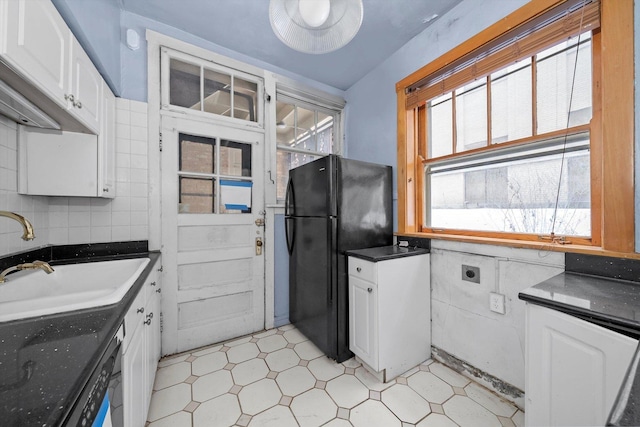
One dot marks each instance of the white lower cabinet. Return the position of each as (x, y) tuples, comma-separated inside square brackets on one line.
[(574, 369), (390, 313), (141, 351)]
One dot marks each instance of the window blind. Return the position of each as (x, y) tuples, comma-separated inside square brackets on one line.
[(560, 23)]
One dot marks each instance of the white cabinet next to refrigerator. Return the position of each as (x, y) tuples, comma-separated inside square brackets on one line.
[(390, 312)]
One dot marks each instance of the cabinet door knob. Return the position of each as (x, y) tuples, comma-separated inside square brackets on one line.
[(140, 310), (159, 290), (78, 105), (106, 190), (147, 322), (150, 315), (69, 97), (369, 289), (358, 269), (152, 283)]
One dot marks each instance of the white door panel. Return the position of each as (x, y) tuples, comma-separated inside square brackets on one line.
[(214, 279)]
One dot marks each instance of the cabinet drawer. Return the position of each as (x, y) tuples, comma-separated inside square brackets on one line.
[(362, 269)]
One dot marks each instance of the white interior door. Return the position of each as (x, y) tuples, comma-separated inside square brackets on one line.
[(212, 216)]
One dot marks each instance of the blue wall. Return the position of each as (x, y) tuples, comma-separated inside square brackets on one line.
[(101, 41), (371, 126), (281, 285)]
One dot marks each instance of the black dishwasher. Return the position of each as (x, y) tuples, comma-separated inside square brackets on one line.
[(100, 403)]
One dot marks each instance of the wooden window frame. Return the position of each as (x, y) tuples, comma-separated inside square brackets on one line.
[(612, 126)]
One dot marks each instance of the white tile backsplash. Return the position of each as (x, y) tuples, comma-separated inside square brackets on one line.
[(35, 209), (71, 220)]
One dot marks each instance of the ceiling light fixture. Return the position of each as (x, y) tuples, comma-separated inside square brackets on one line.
[(315, 26)]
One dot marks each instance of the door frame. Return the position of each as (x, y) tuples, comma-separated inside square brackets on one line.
[(155, 41)]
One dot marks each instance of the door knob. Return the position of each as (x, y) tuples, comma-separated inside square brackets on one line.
[(258, 246)]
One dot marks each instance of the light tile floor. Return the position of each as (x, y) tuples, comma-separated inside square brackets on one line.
[(278, 378)]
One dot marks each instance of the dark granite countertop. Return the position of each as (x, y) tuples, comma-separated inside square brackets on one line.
[(61, 350), (611, 303), (604, 291), (383, 253)]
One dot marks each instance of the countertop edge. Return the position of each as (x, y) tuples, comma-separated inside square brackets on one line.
[(613, 323)]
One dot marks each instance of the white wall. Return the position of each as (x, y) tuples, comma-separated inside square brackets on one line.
[(71, 220), (462, 323)]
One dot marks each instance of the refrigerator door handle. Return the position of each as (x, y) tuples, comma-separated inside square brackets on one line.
[(289, 199), (289, 235)]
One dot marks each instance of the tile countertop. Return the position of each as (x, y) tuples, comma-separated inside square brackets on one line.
[(611, 302), (383, 253), (57, 353)]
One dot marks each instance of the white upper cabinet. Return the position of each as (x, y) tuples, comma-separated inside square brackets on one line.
[(85, 88), (36, 43)]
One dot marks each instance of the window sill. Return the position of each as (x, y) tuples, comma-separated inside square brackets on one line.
[(524, 244)]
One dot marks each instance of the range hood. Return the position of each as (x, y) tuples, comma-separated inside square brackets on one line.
[(21, 110)]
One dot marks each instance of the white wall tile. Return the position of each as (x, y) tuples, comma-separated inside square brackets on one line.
[(79, 235), (123, 145), (139, 161), (139, 233), (100, 234), (120, 219), (139, 218), (79, 204), (121, 233), (139, 133), (79, 219), (139, 176)]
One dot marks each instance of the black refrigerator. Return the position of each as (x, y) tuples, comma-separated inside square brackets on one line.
[(332, 205)]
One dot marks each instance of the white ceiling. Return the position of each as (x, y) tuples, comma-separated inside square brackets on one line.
[(243, 26)]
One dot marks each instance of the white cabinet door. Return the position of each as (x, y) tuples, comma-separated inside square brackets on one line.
[(152, 335), (107, 145), (363, 320), (574, 369), (57, 163), (134, 374), (86, 87), (37, 44)]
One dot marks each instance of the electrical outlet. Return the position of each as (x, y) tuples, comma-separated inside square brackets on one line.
[(496, 303)]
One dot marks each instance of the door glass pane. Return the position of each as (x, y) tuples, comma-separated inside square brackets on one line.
[(235, 158), (235, 196), (511, 103), (285, 122), (440, 123), (197, 195), (324, 133), (556, 88), (471, 116), (245, 99), (305, 129), (217, 93), (197, 154), (184, 84)]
